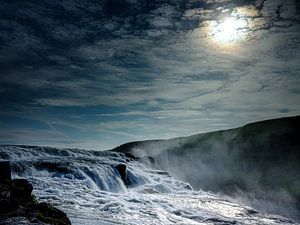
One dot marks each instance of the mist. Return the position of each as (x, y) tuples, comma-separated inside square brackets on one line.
[(255, 165)]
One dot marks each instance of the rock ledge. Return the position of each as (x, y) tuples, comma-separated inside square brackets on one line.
[(19, 206)]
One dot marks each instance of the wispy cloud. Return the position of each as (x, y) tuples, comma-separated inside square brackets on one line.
[(144, 69)]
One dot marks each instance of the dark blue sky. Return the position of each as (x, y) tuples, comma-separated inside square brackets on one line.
[(99, 73)]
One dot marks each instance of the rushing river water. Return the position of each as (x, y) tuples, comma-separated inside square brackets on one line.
[(88, 187)]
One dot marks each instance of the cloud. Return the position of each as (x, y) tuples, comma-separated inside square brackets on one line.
[(146, 69)]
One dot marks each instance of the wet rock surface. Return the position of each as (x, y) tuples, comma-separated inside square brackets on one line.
[(122, 170), (19, 206)]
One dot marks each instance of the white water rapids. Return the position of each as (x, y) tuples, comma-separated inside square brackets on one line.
[(86, 185)]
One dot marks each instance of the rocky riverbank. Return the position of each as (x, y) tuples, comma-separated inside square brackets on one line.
[(19, 206)]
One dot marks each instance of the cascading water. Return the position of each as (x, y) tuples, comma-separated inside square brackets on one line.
[(89, 188)]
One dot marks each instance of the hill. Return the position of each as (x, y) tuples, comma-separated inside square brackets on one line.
[(258, 161)]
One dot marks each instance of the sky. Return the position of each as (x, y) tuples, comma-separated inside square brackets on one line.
[(100, 73)]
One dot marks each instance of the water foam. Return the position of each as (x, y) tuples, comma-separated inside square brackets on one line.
[(87, 186)]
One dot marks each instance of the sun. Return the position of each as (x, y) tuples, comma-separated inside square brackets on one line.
[(229, 30)]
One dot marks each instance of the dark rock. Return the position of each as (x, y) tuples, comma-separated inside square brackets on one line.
[(188, 187), (18, 205), (5, 172), (48, 214), (251, 211), (121, 168), (21, 191), (4, 198), (5, 181)]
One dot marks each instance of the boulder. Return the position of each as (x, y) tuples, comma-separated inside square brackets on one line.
[(21, 191), (121, 168), (50, 215), (4, 198), (5, 180), (5, 172), (18, 205)]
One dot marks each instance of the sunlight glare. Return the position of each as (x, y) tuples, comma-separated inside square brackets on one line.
[(229, 30)]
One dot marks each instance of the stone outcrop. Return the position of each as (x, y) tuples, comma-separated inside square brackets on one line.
[(19, 206), (121, 168), (5, 174)]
